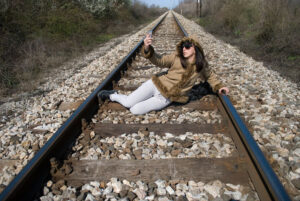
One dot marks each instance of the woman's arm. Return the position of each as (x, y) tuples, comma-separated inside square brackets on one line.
[(149, 53), (211, 78)]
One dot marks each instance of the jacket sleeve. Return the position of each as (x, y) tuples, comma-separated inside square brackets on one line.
[(156, 59), (211, 78)]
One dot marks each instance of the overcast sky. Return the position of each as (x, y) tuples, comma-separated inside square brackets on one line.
[(161, 3)]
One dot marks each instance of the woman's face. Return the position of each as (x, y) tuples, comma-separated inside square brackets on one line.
[(188, 50)]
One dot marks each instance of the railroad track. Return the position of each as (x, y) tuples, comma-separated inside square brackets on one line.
[(200, 150)]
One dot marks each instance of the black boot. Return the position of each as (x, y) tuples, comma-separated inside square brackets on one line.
[(104, 94)]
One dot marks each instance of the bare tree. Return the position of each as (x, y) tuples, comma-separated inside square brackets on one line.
[(200, 5), (198, 8)]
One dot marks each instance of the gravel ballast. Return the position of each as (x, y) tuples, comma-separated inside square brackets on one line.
[(28, 123), (263, 98), (159, 190), (147, 145), (269, 102)]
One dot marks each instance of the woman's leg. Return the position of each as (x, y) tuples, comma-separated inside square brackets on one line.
[(144, 92), (157, 102)]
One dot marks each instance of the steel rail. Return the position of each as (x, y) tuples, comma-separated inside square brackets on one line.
[(270, 179), (268, 175), (28, 183)]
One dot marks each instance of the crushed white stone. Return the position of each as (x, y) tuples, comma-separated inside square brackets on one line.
[(158, 190), (188, 145), (269, 102), (36, 117)]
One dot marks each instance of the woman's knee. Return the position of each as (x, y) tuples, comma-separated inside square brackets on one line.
[(127, 104), (137, 110)]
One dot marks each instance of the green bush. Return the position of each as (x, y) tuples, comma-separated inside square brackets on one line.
[(36, 36), (269, 29), (7, 77), (236, 16)]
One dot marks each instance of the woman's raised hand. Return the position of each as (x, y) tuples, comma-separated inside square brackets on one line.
[(148, 41)]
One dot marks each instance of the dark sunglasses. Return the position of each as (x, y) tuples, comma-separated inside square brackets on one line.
[(187, 45)]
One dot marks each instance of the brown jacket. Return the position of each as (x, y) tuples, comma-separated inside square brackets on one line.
[(176, 84)]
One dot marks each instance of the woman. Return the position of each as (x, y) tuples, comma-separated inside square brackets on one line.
[(185, 65)]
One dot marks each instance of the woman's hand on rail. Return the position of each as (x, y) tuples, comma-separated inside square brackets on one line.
[(224, 90), (147, 42)]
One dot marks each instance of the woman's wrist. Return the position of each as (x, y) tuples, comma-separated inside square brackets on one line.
[(146, 49)]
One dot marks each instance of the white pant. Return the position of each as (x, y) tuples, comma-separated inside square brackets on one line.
[(144, 99)]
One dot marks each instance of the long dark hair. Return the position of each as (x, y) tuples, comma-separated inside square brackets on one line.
[(200, 59)]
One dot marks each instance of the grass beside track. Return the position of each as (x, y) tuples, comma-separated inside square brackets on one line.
[(36, 38)]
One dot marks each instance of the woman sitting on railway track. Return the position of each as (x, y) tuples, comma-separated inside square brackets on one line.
[(185, 65)]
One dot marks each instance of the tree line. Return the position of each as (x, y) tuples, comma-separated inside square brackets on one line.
[(39, 35)]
